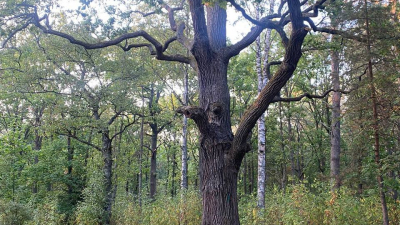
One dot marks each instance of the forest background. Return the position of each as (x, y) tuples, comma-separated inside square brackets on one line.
[(94, 134)]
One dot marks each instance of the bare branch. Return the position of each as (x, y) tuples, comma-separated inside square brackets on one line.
[(112, 119), (307, 95), (341, 33), (157, 45), (124, 128), (268, 68), (129, 47), (255, 31), (80, 140), (144, 14), (168, 42), (249, 18)]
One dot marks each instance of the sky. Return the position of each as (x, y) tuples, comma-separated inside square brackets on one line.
[(236, 28)]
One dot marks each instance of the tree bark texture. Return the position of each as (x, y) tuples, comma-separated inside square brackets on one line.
[(262, 80)]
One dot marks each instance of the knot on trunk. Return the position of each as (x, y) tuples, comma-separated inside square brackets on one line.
[(197, 114), (214, 112), (192, 112)]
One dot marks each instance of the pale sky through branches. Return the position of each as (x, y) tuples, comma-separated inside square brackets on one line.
[(237, 27)]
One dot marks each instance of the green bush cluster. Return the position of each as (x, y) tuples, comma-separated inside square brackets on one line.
[(185, 208), (297, 204)]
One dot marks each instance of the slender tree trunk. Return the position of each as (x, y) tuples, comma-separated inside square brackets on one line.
[(299, 158), (153, 165), (140, 177), (375, 125), (173, 174), (262, 80), (283, 163), (38, 112), (70, 157), (335, 125), (107, 170), (184, 165), (153, 102)]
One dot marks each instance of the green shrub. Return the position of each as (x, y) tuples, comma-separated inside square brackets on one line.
[(14, 213), (183, 209)]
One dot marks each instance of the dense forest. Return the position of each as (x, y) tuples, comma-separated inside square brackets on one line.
[(200, 112)]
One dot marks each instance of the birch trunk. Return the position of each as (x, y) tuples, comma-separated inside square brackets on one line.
[(184, 170), (262, 80)]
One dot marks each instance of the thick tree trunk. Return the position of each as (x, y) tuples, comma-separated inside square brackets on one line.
[(219, 186), (219, 173), (221, 153)]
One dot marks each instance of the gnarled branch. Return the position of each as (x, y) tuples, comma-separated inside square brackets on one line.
[(307, 95)]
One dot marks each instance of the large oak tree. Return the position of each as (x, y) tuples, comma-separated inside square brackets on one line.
[(221, 149)]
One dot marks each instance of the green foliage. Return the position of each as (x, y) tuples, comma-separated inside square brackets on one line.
[(90, 210), (185, 208), (13, 160), (47, 213), (14, 213), (299, 205)]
